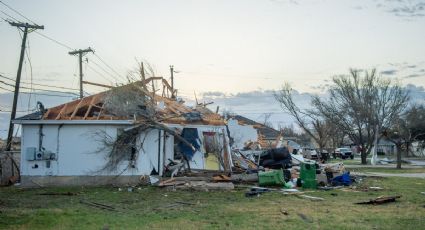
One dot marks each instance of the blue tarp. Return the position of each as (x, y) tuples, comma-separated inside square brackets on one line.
[(344, 179), (191, 135)]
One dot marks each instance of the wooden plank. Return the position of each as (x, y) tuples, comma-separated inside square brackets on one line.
[(90, 106), (60, 112), (97, 84), (100, 112), (76, 108)]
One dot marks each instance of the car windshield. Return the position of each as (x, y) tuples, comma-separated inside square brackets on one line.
[(344, 150)]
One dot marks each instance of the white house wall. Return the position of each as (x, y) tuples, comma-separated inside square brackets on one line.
[(76, 147), (241, 133)]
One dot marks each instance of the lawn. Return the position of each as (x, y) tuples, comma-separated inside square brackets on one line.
[(151, 207), (386, 170)]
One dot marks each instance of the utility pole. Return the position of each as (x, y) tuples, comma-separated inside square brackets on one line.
[(26, 28), (80, 53), (172, 80)]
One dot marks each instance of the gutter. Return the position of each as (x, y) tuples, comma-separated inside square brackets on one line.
[(74, 122)]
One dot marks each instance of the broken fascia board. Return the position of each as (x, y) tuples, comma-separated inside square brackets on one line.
[(76, 122)]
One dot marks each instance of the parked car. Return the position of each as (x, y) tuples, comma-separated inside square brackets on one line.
[(310, 153), (343, 153)]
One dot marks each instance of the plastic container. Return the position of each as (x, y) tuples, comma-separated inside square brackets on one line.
[(309, 183), (274, 177), (308, 171)]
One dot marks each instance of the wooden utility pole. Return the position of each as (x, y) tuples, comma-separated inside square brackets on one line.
[(172, 80), (80, 61), (26, 28)]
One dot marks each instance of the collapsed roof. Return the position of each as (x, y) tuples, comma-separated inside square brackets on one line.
[(101, 107)]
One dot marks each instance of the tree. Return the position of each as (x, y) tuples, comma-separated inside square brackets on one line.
[(361, 105), (307, 120), (408, 128)]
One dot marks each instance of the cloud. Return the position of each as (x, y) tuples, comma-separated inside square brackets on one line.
[(414, 75), (389, 72), (403, 8)]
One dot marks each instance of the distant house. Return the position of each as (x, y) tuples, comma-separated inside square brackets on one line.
[(66, 144), (418, 149), (244, 130), (386, 147)]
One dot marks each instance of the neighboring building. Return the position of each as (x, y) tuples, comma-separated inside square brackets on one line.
[(386, 147), (63, 145), (244, 130), (418, 149)]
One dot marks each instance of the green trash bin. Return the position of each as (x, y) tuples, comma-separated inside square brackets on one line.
[(308, 170), (308, 175), (309, 183), (273, 177)]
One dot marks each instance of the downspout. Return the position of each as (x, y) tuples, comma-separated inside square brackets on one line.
[(159, 152), (57, 148), (40, 137)]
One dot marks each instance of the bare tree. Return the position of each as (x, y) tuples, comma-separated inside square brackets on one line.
[(362, 105), (307, 120)]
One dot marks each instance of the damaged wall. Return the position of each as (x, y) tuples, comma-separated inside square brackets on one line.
[(75, 148), (241, 133)]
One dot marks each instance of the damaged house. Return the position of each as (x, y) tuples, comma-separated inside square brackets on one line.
[(118, 136), (248, 133)]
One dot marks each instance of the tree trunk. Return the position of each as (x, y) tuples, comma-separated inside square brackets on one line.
[(398, 146), (364, 156)]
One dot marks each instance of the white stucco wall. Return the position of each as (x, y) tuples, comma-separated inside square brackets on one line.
[(76, 149), (241, 133)]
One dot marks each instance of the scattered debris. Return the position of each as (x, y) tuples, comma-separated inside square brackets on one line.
[(304, 217), (376, 188), (312, 198), (58, 194), (284, 212), (381, 200), (98, 205), (256, 191)]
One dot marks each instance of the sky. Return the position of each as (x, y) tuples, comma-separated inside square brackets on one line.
[(231, 48)]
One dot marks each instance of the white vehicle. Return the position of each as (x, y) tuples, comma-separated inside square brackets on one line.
[(309, 153)]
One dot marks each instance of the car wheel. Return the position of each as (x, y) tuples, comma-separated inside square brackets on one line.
[(351, 157)]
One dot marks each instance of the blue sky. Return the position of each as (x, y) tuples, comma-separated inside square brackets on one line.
[(232, 47)]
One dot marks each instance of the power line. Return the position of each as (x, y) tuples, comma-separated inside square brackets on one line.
[(55, 41), (108, 65), (52, 86), (7, 15), (44, 94), (43, 35), (103, 69), (100, 74), (17, 12), (54, 91)]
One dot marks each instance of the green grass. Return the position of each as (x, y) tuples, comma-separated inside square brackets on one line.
[(387, 170), (155, 208)]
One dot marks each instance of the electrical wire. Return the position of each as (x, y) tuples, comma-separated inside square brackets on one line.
[(7, 15), (9, 7), (100, 59), (100, 74), (44, 94), (54, 40), (103, 69), (52, 86), (54, 91)]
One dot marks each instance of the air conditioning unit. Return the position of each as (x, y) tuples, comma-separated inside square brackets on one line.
[(39, 156)]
